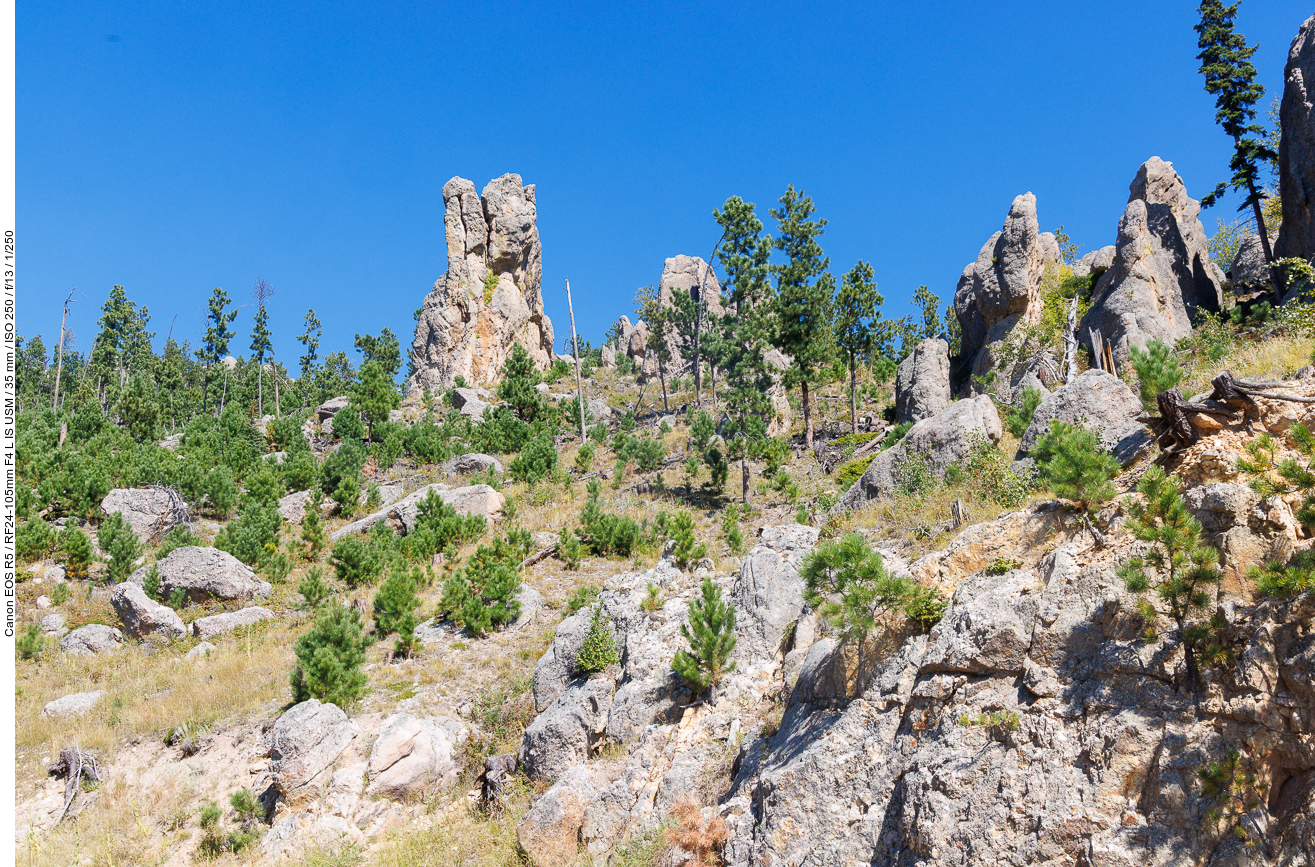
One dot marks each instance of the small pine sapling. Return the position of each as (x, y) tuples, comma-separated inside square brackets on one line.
[(710, 633), (687, 548), (847, 583), (355, 562), (1020, 416), (77, 552), (313, 538), (1234, 793), (31, 643), (652, 602), (598, 651), (314, 590), (1077, 469), (118, 540), (396, 608), (329, 658), (569, 549), (1158, 369), (730, 529), (1178, 566)]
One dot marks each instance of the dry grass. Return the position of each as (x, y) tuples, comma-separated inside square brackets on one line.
[(1274, 358), (700, 842), (459, 836)]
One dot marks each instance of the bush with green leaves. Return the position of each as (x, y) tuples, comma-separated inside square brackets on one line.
[(397, 607), (710, 633), (313, 538), (1275, 478), (1178, 566), (1074, 465), (482, 594), (329, 658), (852, 471), (437, 526), (254, 534), (355, 561), (598, 433), (583, 595), (516, 389), (117, 539), (177, 537), (730, 529), (342, 469), (33, 540), (701, 429), (299, 471), (584, 458), (536, 461), (502, 432), (598, 651), (1158, 369), (1020, 416), (895, 434), (603, 533), (314, 590), (687, 547), (988, 473), (718, 469), (347, 424), (31, 644), (220, 492), (1285, 580), (286, 432)]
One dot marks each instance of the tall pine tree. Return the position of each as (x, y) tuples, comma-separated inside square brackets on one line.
[(803, 297), (1231, 78), (858, 309), (260, 338), (217, 335), (746, 329)]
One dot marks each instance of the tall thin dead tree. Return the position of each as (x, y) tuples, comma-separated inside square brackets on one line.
[(59, 367)]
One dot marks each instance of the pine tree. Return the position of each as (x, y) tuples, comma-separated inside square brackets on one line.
[(1157, 370), (711, 636), (803, 297), (384, 349), (117, 539), (858, 307), (1075, 466), (312, 525), (396, 608), (846, 582), (314, 590), (260, 339), (1019, 417), (687, 547), (661, 332), (746, 328), (171, 376), (217, 334), (329, 658), (1231, 78), (1178, 565), (77, 552), (138, 409), (517, 387), (310, 340), (598, 650), (375, 394)]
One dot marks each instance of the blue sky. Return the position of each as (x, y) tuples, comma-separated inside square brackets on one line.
[(175, 147)]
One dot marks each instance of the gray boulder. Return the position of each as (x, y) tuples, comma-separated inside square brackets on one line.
[(1249, 269), (1162, 278), (1002, 288), (1095, 263), (556, 668), (937, 441), (204, 574), (401, 516), (292, 508), (549, 833), (217, 624), (91, 640), (147, 510), (1100, 402), (53, 624), (469, 403), (769, 594), (304, 743), (413, 757), (922, 381), (73, 705), (598, 409), (564, 734), (331, 407), (1296, 152), (473, 462), (142, 616), (201, 651)]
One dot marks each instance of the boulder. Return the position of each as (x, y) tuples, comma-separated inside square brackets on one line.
[(938, 441), (922, 381), (91, 640), (549, 833), (217, 624), (769, 594), (201, 651), (1002, 288), (1100, 402), (469, 500), (473, 462), (73, 705), (1241, 528), (304, 744), (413, 757), (1095, 263), (142, 616), (149, 511), (607, 356), (53, 624), (782, 413), (1162, 279), (292, 508), (204, 574), (1249, 269), (563, 735), (491, 296), (1296, 152), (331, 407), (598, 409), (556, 668)]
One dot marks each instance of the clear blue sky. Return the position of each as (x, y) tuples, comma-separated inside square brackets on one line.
[(175, 147)]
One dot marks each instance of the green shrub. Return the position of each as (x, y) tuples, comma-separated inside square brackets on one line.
[(730, 529), (482, 594), (987, 472), (299, 471), (583, 595), (347, 424), (31, 644), (517, 387), (598, 652), (847, 583), (895, 434), (178, 537), (701, 429), (598, 433), (1074, 465), (718, 469), (286, 432), (437, 526), (584, 458), (312, 525), (687, 548), (59, 594), (1157, 370), (347, 496), (314, 590), (264, 485), (653, 600), (851, 472), (1020, 416), (355, 562), (248, 536), (710, 634), (221, 492), (925, 607), (913, 476), (606, 534), (536, 461), (117, 540), (1286, 581), (569, 549), (34, 540), (329, 658), (397, 608)]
